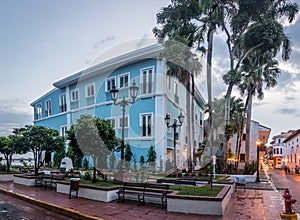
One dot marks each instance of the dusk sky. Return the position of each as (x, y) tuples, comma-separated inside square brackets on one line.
[(45, 41)]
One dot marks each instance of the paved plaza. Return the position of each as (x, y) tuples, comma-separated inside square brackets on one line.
[(260, 201)]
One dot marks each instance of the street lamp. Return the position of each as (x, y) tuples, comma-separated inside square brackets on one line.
[(258, 143), (174, 126), (133, 91)]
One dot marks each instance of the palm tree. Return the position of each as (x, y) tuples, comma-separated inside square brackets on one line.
[(184, 65), (257, 71)]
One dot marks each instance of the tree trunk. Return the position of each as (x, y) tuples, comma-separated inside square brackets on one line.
[(188, 124), (248, 127)]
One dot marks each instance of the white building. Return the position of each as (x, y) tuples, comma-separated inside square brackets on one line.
[(292, 151)]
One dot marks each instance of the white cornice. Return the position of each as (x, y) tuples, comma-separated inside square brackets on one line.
[(152, 51)]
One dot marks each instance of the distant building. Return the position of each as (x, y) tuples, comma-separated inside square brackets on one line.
[(257, 131), (279, 148), (292, 151), (88, 92)]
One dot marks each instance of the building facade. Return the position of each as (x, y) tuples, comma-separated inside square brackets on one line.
[(88, 92), (292, 150), (279, 149), (257, 131)]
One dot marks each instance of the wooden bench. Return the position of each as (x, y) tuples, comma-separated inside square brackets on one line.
[(51, 181), (142, 190)]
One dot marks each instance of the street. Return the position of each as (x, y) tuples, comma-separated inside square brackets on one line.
[(282, 181), (13, 208)]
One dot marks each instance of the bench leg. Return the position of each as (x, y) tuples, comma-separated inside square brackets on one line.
[(163, 202)]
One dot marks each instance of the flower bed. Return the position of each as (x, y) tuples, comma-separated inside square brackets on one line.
[(203, 205), (104, 194)]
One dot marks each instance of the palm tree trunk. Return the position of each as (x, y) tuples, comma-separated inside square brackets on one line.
[(248, 127), (188, 130), (210, 36)]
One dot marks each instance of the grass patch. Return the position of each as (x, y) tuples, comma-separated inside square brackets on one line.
[(197, 191)]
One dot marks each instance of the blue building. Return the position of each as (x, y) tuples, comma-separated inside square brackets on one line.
[(88, 92)]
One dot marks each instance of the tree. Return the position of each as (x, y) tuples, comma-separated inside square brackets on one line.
[(96, 138), (142, 162), (38, 139), (74, 151), (192, 20), (248, 25), (7, 151), (258, 69), (128, 155), (151, 157), (256, 28)]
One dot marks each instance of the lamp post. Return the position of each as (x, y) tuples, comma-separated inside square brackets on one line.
[(174, 126), (133, 90), (258, 143)]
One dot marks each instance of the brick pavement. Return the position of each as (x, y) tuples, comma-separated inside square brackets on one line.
[(254, 204)]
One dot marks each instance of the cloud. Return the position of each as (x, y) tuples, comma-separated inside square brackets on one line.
[(13, 115), (288, 111)]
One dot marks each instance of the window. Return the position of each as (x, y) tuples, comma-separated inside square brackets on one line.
[(112, 122), (201, 116), (125, 122), (176, 92), (146, 80), (48, 107), (123, 80), (75, 95), (169, 82), (90, 90), (62, 103), (38, 111), (110, 84), (242, 157), (63, 131), (146, 125)]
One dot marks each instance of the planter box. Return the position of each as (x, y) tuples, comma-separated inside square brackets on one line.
[(24, 179), (202, 205), (7, 176), (102, 194)]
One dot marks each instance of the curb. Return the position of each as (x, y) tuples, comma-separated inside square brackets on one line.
[(52, 207)]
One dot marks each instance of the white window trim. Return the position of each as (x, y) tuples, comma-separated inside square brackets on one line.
[(110, 118), (108, 79), (168, 128), (48, 110), (75, 90), (141, 121), (119, 121), (119, 80), (87, 89), (152, 80), (39, 106), (61, 129), (61, 102)]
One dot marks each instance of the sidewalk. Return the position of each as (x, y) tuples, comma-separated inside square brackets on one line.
[(258, 202)]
